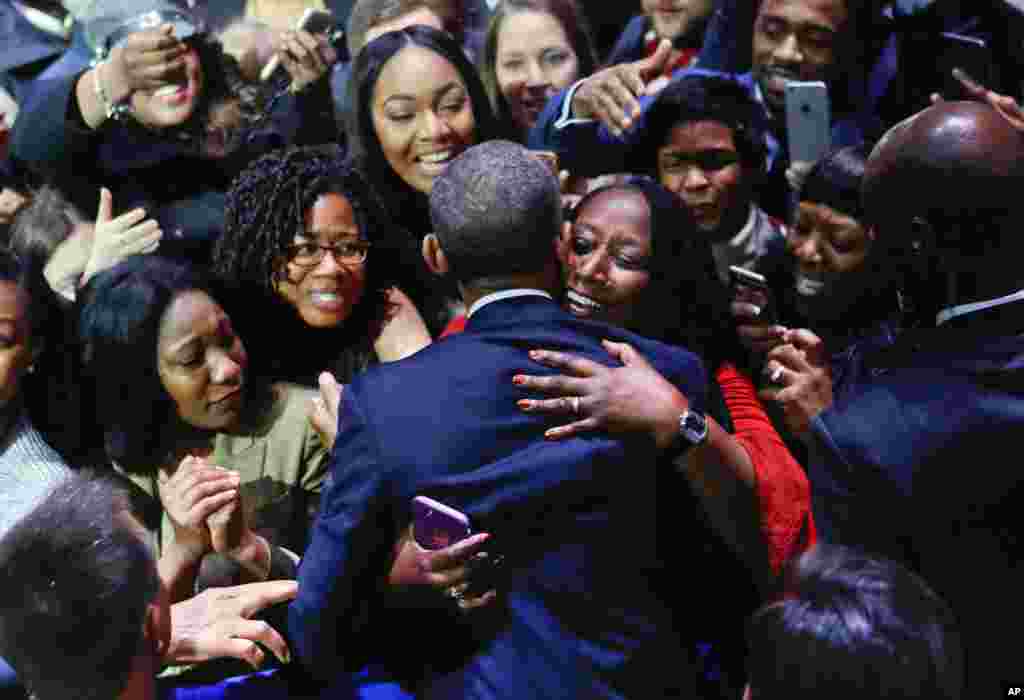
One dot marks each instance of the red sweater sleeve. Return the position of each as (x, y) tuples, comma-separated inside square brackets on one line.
[(456, 325), (783, 492)]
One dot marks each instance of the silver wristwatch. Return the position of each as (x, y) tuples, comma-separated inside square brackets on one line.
[(693, 427)]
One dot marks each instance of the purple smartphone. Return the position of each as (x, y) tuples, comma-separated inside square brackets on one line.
[(436, 526)]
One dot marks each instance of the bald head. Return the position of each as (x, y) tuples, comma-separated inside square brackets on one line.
[(947, 164)]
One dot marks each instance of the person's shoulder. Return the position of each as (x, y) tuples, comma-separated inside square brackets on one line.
[(280, 407)]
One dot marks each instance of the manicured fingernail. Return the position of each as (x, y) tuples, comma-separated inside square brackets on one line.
[(524, 404), (755, 309), (536, 354), (519, 379)]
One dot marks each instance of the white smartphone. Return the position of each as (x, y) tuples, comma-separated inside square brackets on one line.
[(808, 121), (312, 21)]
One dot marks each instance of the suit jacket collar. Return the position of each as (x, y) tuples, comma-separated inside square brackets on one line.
[(516, 311)]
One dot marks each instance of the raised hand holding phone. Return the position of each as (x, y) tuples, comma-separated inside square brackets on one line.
[(308, 51), (753, 310), (808, 121)]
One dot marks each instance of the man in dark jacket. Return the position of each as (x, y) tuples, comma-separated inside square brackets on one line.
[(579, 618), (909, 463)]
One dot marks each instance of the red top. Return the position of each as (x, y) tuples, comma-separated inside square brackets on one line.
[(783, 492), (456, 325)]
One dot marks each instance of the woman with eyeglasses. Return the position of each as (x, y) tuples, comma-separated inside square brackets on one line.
[(310, 259)]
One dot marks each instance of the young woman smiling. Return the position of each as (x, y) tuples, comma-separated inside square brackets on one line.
[(533, 49), (417, 104), (309, 255)]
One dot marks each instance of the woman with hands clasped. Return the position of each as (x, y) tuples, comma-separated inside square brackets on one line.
[(232, 466)]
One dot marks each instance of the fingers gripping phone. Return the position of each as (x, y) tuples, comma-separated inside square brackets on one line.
[(808, 121), (436, 526), (314, 22), (752, 287)]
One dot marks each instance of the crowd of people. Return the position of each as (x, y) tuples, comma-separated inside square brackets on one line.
[(714, 420)]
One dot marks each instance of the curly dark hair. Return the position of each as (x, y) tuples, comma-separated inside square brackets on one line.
[(266, 207)]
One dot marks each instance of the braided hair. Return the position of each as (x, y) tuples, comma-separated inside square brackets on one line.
[(267, 205)]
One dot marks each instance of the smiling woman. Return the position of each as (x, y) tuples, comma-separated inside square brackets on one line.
[(533, 49), (418, 103), (308, 253)]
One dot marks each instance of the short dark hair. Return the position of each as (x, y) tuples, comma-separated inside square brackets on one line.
[(266, 208), (694, 98), (684, 303), (836, 179), (76, 583), (44, 224), (26, 272), (496, 211), (119, 314), (573, 23), (858, 626), (367, 14), (364, 146)]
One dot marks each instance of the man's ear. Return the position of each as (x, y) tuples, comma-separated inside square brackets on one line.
[(562, 242), (433, 255)]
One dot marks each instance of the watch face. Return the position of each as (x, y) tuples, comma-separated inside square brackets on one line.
[(694, 427)]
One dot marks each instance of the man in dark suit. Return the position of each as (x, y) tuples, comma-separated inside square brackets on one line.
[(578, 618), (913, 453)]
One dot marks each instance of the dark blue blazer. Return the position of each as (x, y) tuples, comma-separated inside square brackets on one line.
[(575, 519), (26, 50), (920, 462)]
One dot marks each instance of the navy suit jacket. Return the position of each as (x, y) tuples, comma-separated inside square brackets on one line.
[(575, 519), (920, 462)]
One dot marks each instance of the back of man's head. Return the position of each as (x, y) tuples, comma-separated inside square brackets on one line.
[(496, 212), (956, 168), (857, 628), (75, 583)]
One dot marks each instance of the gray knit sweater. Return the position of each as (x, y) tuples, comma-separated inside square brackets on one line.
[(29, 468)]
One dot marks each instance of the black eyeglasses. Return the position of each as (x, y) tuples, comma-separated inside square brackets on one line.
[(344, 252)]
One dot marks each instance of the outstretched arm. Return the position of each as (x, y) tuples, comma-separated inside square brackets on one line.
[(636, 398)]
